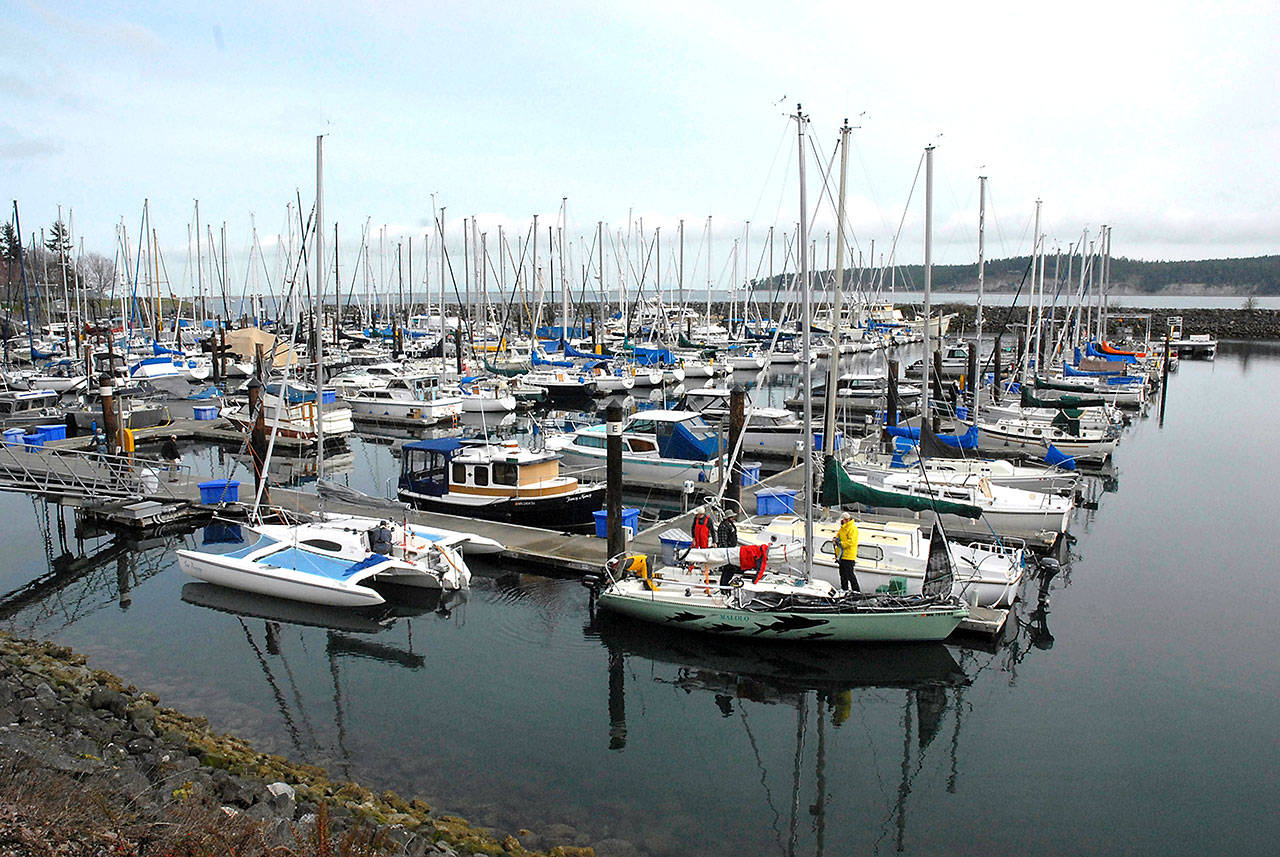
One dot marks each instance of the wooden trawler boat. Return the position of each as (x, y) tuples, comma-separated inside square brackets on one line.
[(496, 482)]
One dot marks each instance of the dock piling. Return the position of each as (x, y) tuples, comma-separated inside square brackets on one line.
[(613, 479), (737, 418)]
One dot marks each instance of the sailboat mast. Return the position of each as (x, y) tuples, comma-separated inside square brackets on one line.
[(928, 281), (803, 246), (833, 362), (976, 383), (318, 326), (1035, 248)]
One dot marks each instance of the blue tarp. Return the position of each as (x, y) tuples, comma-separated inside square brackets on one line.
[(435, 444), (647, 356), (1058, 458), (968, 440)]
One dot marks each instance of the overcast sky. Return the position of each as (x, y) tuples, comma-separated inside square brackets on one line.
[(1161, 119)]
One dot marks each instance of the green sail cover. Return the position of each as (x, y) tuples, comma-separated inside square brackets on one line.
[(838, 489), (1071, 404), (506, 373), (1042, 384)]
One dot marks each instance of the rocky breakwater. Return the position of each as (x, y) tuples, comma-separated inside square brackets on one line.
[(89, 765), (1219, 323)]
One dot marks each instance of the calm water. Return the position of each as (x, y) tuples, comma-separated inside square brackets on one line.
[(1132, 709)]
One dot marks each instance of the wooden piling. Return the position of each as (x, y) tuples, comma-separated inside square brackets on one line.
[(109, 427), (613, 479)]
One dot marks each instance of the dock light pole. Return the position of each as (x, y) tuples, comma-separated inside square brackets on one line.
[(613, 479)]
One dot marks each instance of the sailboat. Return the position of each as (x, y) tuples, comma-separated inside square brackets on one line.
[(334, 559), (740, 591)]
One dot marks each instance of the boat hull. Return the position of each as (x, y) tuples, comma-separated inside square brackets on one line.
[(573, 513), (241, 575), (698, 614)]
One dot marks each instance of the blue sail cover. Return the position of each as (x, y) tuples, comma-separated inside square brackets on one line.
[(648, 356), (1072, 372), (968, 440), (1058, 458)]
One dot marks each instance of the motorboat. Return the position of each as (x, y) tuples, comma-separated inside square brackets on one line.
[(496, 482), (660, 448), (416, 397), (767, 431), (332, 561)]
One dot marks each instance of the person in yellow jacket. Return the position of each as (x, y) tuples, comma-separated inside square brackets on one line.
[(847, 551)]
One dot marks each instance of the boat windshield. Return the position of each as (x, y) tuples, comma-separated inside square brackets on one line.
[(698, 427)]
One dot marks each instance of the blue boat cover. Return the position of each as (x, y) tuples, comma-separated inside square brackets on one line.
[(1058, 458), (435, 444), (968, 440)]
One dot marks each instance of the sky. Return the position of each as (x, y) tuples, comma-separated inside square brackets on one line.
[(1161, 120)]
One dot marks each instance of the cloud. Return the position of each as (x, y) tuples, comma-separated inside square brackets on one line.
[(27, 149)]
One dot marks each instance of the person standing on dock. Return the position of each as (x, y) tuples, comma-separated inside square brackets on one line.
[(169, 452), (847, 552)]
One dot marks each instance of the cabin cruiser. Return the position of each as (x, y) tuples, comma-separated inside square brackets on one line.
[(496, 482), (29, 407), (296, 421), (660, 448), (768, 431), (408, 397), (861, 392)]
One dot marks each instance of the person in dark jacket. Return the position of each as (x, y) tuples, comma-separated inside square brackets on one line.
[(727, 532), (169, 452)]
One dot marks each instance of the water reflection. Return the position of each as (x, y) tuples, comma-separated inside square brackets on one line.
[(823, 684), (346, 636)]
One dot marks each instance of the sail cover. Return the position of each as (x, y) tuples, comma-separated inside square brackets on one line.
[(838, 489), (938, 577), (1063, 403)]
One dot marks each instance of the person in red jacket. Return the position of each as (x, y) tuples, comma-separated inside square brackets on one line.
[(701, 530)]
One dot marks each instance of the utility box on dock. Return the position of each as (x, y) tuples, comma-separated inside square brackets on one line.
[(630, 522), (205, 412), (53, 431), (217, 491), (776, 501), (750, 473)]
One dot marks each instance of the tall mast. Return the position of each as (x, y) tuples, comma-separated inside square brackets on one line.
[(1035, 248), (319, 308), (976, 383), (928, 280), (804, 339), (833, 362), (708, 272), (564, 288)]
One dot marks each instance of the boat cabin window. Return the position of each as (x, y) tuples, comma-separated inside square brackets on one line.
[(645, 426), (459, 473), (591, 441), (480, 475), (639, 444), (323, 545), (505, 474)]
